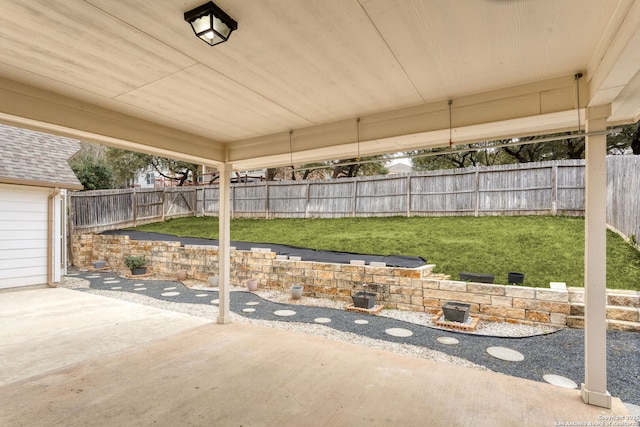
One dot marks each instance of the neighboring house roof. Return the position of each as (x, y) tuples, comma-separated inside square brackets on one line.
[(34, 158)]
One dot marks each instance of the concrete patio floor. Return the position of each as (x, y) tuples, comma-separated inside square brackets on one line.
[(72, 358)]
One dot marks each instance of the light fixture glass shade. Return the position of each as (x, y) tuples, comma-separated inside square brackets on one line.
[(210, 23)]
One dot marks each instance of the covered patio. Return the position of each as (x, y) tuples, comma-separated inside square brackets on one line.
[(300, 82), (72, 358)]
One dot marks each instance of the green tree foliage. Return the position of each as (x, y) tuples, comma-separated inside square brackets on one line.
[(332, 169), (627, 141), (127, 164), (93, 174), (91, 167)]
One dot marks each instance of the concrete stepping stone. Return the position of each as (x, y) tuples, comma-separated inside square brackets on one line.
[(110, 282), (504, 353), (115, 288), (284, 313), (248, 310), (140, 289), (202, 295), (361, 322), (138, 284), (447, 340), (93, 276), (109, 278), (398, 332), (170, 294), (252, 303), (559, 381), (322, 320), (215, 301), (170, 288)]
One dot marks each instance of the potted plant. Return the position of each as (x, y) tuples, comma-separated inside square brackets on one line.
[(364, 299), (136, 263), (456, 311)]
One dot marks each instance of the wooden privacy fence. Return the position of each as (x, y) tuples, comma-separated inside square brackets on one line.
[(549, 188), (623, 195)]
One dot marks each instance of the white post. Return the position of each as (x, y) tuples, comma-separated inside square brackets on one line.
[(594, 390), (224, 245)]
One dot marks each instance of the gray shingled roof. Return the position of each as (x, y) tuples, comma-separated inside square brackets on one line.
[(29, 156)]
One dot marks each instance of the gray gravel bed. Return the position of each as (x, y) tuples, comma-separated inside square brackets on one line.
[(560, 352)]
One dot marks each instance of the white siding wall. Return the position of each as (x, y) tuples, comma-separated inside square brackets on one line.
[(23, 235)]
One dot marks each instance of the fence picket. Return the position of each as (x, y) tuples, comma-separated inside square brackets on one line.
[(550, 188)]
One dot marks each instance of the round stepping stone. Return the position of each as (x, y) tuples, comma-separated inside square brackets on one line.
[(202, 295), (504, 353), (322, 320), (252, 303), (140, 289), (399, 332), (248, 310), (447, 340), (170, 294), (171, 288), (110, 282), (116, 287), (361, 322), (284, 313), (559, 381), (215, 301)]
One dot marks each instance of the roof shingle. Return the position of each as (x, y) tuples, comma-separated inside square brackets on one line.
[(30, 156)]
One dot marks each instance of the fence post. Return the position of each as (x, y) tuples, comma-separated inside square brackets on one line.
[(163, 197), (306, 201), (134, 206), (408, 196), (355, 197), (554, 189), (477, 195), (266, 199)]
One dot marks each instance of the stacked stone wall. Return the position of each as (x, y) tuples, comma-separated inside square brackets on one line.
[(401, 288)]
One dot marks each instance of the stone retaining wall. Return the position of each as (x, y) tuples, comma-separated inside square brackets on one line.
[(402, 288)]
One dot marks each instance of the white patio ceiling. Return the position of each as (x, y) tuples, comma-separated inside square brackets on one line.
[(132, 74)]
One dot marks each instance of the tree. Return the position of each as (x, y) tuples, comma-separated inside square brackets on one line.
[(90, 166), (127, 164), (626, 141), (93, 174)]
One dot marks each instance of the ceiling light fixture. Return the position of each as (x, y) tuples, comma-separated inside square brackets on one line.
[(210, 23)]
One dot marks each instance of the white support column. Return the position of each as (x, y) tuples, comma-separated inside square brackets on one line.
[(224, 245), (594, 390)]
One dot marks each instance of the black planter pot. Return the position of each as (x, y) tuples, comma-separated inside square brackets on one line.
[(364, 300), (477, 277), (138, 271), (515, 277), (456, 311)]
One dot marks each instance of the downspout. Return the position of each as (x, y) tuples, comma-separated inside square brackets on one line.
[(51, 256)]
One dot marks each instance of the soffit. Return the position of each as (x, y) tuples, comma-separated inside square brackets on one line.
[(312, 67)]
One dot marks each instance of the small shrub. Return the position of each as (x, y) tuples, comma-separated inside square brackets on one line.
[(135, 261)]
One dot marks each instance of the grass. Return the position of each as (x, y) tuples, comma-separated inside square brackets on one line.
[(545, 249)]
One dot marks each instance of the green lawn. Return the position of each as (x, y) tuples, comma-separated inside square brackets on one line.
[(545, 249)]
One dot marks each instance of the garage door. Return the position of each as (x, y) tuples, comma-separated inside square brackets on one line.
[(23, 235)]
